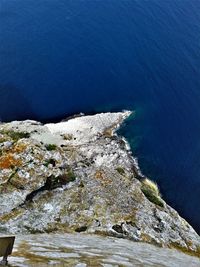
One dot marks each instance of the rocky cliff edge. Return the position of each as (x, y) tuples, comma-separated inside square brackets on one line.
[(80, 176)]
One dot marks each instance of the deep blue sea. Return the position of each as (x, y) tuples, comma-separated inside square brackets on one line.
[(60, 57)]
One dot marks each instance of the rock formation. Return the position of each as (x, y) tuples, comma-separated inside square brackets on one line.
[(80, 176)]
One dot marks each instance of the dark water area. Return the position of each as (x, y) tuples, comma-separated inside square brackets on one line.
[(61, 57)]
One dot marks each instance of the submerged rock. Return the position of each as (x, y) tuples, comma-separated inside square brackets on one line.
[(80, 176)]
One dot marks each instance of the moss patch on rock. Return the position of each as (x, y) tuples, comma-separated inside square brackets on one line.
[(14, 135), (120, 170), (51, 147)]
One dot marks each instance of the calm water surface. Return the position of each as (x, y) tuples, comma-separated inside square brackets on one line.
[(61, 57)]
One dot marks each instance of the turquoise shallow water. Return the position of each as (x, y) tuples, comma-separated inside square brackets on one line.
[(61, 57)]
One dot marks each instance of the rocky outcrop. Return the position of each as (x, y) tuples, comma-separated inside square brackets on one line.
[(80, 176)]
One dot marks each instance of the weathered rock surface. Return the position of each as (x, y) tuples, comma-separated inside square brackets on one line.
[(80, 176), (84, 250)]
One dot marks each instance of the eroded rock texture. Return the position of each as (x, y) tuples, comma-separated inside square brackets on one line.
[(79, 175)]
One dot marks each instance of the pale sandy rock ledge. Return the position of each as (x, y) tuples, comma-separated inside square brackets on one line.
[(85, 250), (80, 176)]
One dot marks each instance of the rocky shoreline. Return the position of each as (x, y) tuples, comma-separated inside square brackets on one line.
[(80, 176)]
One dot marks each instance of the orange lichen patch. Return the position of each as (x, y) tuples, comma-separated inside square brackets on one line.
[(100, 175), (8, 161), (19, 148), (39, 157), (149, 239)]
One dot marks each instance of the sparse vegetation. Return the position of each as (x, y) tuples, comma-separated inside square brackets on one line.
[(120, 170), (2, 138), (57, 181), (186, 250), (51, 147), (50, 161), (69, 176), (151, 185), (15, 136), (151, 191), (67, 137), (81, 184)]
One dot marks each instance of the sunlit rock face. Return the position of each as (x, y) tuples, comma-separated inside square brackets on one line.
[(83, 250), (80, 176)]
